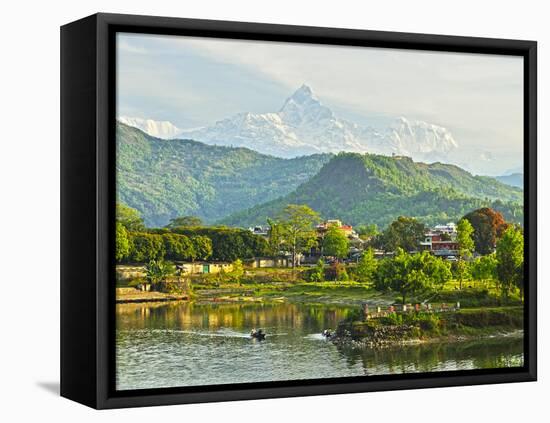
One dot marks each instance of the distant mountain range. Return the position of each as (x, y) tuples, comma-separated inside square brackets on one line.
[(304, 126), (164, 179), (160, 129), (515, 179), (237, 186)]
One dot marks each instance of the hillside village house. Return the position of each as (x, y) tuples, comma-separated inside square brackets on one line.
[(129, 272), (441, 240), (322, 228), (356, 243), (203, 268), (260, 230), (262, 262)]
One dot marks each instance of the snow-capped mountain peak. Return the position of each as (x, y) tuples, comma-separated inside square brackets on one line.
[(406, 135), (303, 108), (304, 126), (303, 96), (159, 129)]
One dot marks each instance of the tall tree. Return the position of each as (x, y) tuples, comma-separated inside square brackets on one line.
[(366, 268), (298, 229), (367, 231), (202, 246), (393, 274), (484, 268), (238, 271), (465, 247), (489, 225), (510, 260), (178, 247), (130, 218), (146, 247), (158, 271), (405, 233), (412, 275), (335, 243), (275, 237), (122, 249)]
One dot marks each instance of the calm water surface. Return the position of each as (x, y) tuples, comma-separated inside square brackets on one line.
[(186, 344)]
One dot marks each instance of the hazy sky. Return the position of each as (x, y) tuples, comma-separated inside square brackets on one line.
[(196, 81)]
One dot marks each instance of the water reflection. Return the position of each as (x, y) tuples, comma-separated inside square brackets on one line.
[(184, 344)]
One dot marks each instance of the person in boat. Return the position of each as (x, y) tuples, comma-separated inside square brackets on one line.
[(258, 334), (327, 333)]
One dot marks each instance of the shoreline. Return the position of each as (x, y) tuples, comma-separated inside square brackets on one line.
[(348, 342), (459, 326), (148, 297)]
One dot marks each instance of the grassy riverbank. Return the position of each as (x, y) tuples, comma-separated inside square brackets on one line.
[(343, 293), (403, 328), (132, 295)]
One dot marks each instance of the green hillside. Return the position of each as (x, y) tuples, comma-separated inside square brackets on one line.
[(164, 179), (369, 188)]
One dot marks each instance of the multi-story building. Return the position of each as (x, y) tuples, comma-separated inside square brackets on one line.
[(441, 240)]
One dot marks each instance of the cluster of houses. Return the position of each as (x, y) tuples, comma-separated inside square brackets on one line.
[(441, 241)]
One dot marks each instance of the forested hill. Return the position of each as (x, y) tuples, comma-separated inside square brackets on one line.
[(362, 189), (168, 178)]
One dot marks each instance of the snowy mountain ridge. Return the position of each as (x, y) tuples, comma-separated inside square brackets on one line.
[(305, 126), (155, 128)]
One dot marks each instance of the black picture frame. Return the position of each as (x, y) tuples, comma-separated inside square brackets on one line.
[(87, 208)]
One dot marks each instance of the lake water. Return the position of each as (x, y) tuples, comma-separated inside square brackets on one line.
[(187, 344)]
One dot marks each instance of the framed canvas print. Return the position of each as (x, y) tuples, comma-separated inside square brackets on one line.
[(254, 211)]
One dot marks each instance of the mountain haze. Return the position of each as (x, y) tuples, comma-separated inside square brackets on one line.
[(515, 179)]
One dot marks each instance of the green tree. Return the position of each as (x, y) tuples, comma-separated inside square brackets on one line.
[(461, 271), (464, 238), (146, 247), (412, 275), (484, 268), (275, 238), (509, 257), (184, 221), (437, 270), (157, 272), (318, 272), (202, 245), (367, 231), (405, 233), (366, 268), (129, 218), (489, 225), (229, 244), (465, 247), (122, 249), (178, 247), (298, 229), (392, 274), (335, 243), (238, 271)]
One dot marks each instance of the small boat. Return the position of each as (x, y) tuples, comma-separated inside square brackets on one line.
[(327, 333), (257, 334)]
